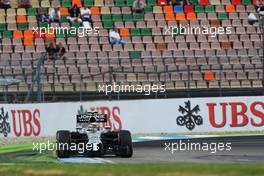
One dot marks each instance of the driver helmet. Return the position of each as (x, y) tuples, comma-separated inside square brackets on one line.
[(93, 126)]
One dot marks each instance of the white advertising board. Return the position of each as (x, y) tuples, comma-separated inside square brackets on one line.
[(138, 116)]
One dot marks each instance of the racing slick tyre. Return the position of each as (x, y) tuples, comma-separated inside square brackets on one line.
[(125, 144), (63, 138)]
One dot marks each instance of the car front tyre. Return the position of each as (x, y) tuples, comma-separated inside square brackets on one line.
[(63, 138)]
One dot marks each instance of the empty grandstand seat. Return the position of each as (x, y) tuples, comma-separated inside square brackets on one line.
[(178, 9), (95, 11), (167, 9), (209, 76), (17, 34), (204, 2), (180, 16), (235, 2), (230, 8), (188, 8), (77, 2), (21, 19), (191, 16), (162, 2)]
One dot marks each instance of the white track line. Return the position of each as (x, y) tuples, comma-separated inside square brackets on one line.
[(84, 160)]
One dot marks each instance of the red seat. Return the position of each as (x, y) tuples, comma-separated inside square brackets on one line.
[(39, 34), (204, 2), (162, 2), (209, 76), (188, 8), (236, 2)]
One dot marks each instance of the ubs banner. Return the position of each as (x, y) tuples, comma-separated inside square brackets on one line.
[(138, 116)]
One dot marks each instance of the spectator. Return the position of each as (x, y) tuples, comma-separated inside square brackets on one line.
[(5, 4), (54, 15), (75, 14), (55, 99), (13, 99), (51, 52), (260, 7), (138, 6), (24, 4), (179, 2), (43, 17), (60, 51), (86, 16), (114, 37), (175, 2)]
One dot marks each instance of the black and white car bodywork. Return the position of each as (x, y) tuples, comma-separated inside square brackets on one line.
[(90, 139)]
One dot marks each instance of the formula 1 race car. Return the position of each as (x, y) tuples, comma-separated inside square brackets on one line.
[(90, 139)]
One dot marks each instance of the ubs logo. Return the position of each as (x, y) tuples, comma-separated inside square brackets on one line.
[(189, 117), (4, 123)]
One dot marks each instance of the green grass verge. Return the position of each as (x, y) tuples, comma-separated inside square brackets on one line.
[(179, 169), (24, 153), (15, 147)]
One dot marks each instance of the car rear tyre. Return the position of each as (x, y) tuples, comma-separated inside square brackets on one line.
[(63, 138), (125, 144)]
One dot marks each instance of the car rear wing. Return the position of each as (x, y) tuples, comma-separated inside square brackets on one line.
[(91, 117)]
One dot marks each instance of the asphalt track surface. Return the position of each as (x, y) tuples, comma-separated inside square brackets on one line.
[(246, 149)]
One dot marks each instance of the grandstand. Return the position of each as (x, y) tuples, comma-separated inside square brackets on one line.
[(189, 65)]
